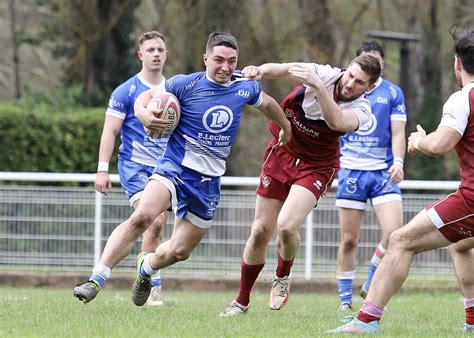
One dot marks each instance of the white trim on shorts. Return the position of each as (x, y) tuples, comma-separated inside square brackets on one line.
[(135, 198), (434, 218), (351, 204), (169, 185), (198, 221), (386, 199), (358, 205)]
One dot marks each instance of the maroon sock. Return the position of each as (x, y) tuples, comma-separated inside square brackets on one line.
[(366, 318), (248, 276), (284, 267), (470, 315)]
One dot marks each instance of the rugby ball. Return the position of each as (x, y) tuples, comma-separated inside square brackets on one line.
[(171, 112)]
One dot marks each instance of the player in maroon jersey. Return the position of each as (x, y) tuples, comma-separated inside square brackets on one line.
[(446, 221), (327, 103)]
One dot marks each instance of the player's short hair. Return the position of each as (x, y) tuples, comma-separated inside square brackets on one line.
[(149, 36), (464, 47), (370, 46), (370, 65), (221, 39)]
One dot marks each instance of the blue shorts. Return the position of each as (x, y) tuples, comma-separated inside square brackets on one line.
[(133, 178), (355, 187), (193, 196)]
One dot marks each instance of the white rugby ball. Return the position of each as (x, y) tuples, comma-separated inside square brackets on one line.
[(171, 112)]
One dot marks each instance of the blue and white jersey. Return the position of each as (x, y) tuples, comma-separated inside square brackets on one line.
[(210, 117), (370, 148), (136, 145)]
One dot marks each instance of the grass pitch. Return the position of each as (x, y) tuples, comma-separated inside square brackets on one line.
[(55, 313)]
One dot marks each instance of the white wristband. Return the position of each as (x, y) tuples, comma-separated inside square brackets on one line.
[(103, 166), (399, 161), (416, 144)]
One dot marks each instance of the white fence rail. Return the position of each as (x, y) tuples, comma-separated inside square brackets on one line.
[(50, 226)]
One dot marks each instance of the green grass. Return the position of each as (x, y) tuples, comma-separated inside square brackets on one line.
[(55, 313)]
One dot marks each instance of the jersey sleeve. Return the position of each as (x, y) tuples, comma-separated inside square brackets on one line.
[(361, 107), (398, 109), (326, 73), (119, 102), (456, 112), (257, 97)]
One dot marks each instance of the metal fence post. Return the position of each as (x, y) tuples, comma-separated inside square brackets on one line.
[(97, 227), (309, 246)]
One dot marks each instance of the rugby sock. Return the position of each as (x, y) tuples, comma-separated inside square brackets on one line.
[(156, 279), (146, 271), (469, 308), (284, 267), (345, 281), (100, 274), (374, 263), (248, 276), (369, 312)]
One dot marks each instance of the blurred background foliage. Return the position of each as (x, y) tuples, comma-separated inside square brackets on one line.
[(61, 59)]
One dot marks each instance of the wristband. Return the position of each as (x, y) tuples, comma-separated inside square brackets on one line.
[(399, 161), (103, 166), (416, 144)]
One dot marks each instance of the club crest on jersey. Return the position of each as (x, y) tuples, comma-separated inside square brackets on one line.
[(217, 119), (244, 93), (289, 112), (265, 181)]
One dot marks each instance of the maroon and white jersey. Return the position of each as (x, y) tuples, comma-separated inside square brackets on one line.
[(312, 140), (458, 113)]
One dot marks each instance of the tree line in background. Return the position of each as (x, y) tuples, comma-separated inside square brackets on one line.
[(77, 52)]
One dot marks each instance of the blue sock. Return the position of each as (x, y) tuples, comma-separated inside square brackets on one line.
[(155, 282), (370, 275), (143, 273), (98, 279), (345, 290)]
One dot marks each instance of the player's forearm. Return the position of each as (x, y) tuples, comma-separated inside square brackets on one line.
[(107, 144), (271, 109), (140, 105), (335, 118), (399, 145)]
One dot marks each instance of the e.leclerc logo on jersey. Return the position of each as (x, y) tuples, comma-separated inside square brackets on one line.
[(369, 127), (217, 119)]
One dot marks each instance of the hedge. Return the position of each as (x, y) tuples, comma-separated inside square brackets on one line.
[(47, 140)]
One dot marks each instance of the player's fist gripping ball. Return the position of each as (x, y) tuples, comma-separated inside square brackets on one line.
[(171, 112)]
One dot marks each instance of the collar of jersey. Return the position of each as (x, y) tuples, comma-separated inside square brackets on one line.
[(219, 84), (377, 83)]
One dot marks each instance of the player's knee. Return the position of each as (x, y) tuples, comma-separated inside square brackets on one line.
[(140, 221), (261, 234), (286, 233), (399, 240), (180, 252), (349, 244)]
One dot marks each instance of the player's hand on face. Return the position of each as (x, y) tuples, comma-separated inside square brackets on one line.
[(103, 184), (252, 72), (397, 173), (306, 74), (420, 132)]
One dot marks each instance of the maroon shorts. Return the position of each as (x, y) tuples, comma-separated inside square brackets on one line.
[(453, 215), (281, 170)]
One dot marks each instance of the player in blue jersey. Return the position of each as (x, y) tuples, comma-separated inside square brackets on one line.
[(187, 177), (138, 152), (371, 168)]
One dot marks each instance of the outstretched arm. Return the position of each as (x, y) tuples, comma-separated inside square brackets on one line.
[(271, 71), (273, 111), (437, 143), (398, 149)]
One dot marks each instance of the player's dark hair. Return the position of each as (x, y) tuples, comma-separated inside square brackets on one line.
[(370, 46), (221, 39), (149, 36), (370, 65), (464, 47)]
